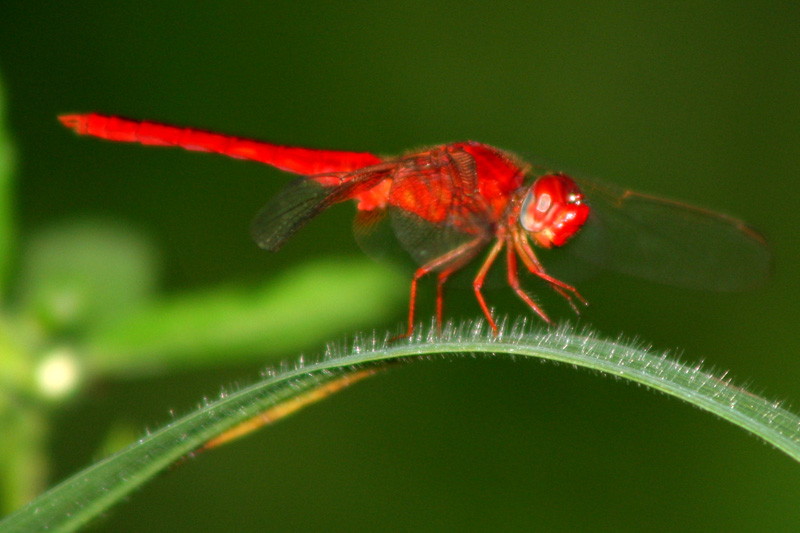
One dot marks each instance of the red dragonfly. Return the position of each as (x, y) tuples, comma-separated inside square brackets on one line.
[(448, 203)]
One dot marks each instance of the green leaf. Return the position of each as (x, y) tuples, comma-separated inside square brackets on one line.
[(305, 305), (91, 492)]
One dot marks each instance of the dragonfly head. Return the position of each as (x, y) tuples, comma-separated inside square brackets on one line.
[(553, 210)]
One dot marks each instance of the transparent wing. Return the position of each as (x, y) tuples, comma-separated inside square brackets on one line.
[(288, 211), (305, 198), (670, 242)]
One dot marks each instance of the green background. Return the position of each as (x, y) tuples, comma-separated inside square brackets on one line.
[(693, 100)]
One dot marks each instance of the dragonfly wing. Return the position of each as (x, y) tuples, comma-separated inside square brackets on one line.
[(288, 211), (375, 235), (305, 198), (670, 242)]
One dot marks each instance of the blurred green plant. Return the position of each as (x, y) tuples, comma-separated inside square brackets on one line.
[(83, 306)]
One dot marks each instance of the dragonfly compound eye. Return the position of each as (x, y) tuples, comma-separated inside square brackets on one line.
[(553, 210)]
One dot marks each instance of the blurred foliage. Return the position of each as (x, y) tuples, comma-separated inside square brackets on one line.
[(81, 273), (86, 308), (691, 100)]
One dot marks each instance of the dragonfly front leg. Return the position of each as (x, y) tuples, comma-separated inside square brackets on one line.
[(535, 267), (513, 280)]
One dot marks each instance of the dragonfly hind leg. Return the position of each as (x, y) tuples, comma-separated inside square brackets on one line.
[(446, 264), (477, 284)]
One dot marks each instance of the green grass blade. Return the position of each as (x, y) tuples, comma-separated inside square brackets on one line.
[(84, 496)]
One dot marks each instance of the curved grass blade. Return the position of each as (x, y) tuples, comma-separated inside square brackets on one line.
[(91, 492)]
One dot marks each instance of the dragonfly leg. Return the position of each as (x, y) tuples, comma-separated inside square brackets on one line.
[(443, 275), (477, 284), (446, 264), (513, 280), (440, 298), (526, 253)]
